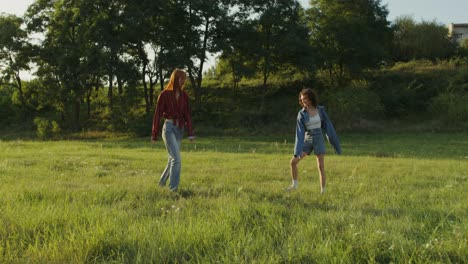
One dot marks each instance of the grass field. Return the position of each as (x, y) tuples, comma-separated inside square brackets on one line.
[(393, 197)]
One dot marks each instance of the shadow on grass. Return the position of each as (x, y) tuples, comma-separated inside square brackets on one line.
[(281, 198)]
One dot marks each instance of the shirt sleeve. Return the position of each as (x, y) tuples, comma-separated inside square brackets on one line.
[(300, 135), (330, 132), (158, 112)]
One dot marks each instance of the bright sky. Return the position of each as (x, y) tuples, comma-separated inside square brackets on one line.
[(443, 11)]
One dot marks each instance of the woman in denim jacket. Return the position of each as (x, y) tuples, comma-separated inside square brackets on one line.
[(312, 121)]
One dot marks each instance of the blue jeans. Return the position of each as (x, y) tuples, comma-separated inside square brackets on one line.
[(172, 137)]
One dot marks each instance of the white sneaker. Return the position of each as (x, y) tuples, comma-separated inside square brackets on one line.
[(291, 188)]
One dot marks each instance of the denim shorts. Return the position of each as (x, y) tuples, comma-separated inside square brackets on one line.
[(315, 141)]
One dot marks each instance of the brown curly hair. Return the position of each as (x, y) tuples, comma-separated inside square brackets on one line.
[(310, 94)]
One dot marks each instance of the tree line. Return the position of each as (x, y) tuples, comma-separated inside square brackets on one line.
[(79, 49)]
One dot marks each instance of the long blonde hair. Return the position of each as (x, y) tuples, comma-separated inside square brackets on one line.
[(174, 82)]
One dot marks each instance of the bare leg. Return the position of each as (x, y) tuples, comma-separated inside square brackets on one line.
[(294, 172), (293, 163), (321, 169)]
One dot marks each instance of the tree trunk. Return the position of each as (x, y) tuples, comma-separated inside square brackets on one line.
[(21, 95), (77, 114), (198, 88), (120, 85), (88, 103), (111, 86), (193, 79), (151, 93), (264, 90), (266, 70), (193, 82), (19, 84), (161, 78), (145, 88), (144, 61)]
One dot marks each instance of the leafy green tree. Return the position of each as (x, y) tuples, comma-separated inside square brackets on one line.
[(142, 21), (14, 55), (349, 36), (237, 57), (88, 44), (107, 31), (268, 35), (166, 42), (237, 66), (425, 40), (191, 29), (63, 57)]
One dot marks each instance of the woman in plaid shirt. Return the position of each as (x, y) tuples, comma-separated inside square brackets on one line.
[(173, 106)]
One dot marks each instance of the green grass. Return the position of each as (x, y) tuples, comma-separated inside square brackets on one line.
[(398, 198)]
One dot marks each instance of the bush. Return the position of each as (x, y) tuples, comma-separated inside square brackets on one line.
[(406, 89), (45, 128), (9, 112), (451, 108), (350, 106), (413, 65), (463, 48)]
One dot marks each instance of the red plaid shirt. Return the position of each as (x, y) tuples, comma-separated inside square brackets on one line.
[(169, 107)]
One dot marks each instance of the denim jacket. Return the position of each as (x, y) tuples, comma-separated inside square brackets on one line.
[(327, 127)]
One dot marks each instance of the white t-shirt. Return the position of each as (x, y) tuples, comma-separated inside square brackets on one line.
[(314, 122)]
